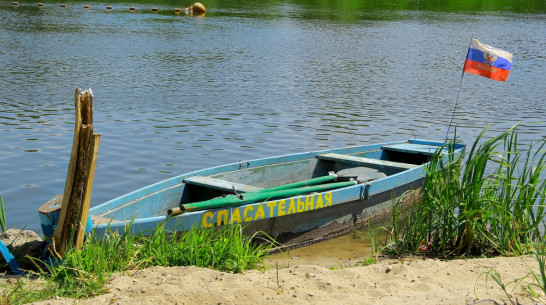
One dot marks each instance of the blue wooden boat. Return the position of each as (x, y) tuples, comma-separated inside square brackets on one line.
[(342, 190)]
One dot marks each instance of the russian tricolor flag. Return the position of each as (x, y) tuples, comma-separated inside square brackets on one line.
[(488, 61)]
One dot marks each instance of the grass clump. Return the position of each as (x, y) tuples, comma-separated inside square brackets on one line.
[(226, 249), (493, 204), (84, 273)]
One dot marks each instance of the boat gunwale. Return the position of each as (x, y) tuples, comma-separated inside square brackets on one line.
[(348, 194), (224, 168), (368, 189), (392, 182)]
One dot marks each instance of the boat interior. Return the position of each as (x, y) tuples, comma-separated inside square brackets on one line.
[(362, 166)]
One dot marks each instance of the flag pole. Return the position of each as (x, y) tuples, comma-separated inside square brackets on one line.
[(458, 92)]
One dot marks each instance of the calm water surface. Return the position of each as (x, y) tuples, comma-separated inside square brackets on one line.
[(177, 93)]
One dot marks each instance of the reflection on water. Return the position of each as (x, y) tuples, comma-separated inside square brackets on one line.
[(249, 80)]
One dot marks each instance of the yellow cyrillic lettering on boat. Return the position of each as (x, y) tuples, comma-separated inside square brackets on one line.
[(271, 205), (291, 207), (260, 213), (206, 220), (235, 216), (301, 205), (328, 198), (309, 202), (319, 201), (282, 206), (245, 213), (222, 217)]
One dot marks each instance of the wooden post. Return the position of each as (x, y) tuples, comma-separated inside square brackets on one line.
[(84, 211), (79, 178)]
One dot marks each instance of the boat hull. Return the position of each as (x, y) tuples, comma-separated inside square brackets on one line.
[(296, 220), (297, 230)]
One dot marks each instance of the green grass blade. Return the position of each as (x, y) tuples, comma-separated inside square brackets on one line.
[(2, 215)]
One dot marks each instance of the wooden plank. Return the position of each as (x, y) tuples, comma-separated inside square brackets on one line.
[(84, 211), (73, 159), (69, 182), (222, 185), (78, 175), (101, 220), (365, 161), (64, 235)]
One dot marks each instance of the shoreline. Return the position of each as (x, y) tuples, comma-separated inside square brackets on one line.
[(390, 281)]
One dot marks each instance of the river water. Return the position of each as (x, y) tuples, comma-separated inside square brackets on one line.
[(250, 79)]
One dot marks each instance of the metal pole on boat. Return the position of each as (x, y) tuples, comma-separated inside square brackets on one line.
[(458, 92)]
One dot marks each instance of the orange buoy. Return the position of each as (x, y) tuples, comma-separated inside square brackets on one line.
[(177, 10), (108, 7), (132, 8), (85, 6), (198, 8)]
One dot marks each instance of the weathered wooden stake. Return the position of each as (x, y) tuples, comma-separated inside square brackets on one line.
[(70, 228), (84, 211)]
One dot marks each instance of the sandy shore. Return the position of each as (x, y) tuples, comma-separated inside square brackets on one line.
[(408, 281)]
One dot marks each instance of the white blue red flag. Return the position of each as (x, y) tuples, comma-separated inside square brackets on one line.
[(488, 61)]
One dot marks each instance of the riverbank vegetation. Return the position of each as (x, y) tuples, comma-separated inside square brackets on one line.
[(494, 203), (83, 274)]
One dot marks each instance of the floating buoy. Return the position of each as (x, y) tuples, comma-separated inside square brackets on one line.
[(85, 6), (154, 10), (132, 8), (198, 8), (177, 11), (63, 5), (108, 7), (15, 3), (40, 4)]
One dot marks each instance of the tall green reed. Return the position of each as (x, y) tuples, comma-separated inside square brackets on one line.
[(492, 204), (2, 215), (373, 241), (374, 255), (435, 211)]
